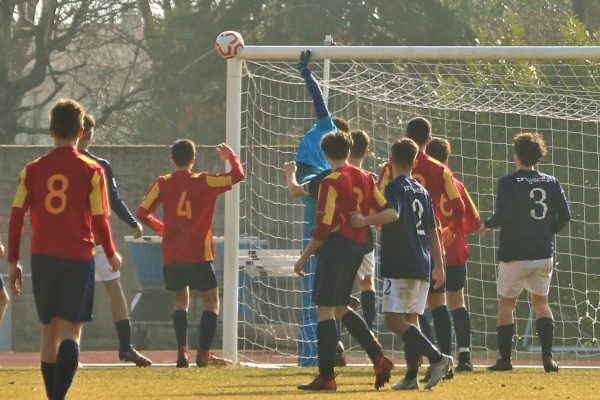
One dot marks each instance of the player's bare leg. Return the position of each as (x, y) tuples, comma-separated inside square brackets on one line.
[(181, 303), (462, 328), (544, 324), (208, 326), (506, 331), (4, 299), (120, 315)]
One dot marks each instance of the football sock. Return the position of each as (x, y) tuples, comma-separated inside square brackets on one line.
[(412, 357), (208, 326), (414, 339), (443, 328), (124, 333), (67, 360), (48, 370), (180, 323), (425, 327), (505, 338), (359, 331), (338, 329), (462, 328), (545, 332), (367, 304), (326, 345)]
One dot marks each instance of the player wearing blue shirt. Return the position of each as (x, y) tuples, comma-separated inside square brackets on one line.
[(103, 274), (409, 246), (531, 208)]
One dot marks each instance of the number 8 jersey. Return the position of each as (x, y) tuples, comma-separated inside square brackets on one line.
[(531, 207)]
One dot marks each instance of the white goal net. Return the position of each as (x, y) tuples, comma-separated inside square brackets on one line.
[(478, 106)]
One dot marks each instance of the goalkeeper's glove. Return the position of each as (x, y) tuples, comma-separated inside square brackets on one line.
[(304, 60)]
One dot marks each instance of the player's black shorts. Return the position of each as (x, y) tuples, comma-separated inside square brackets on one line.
[(456, 277), (62, 288), (337, 263), (198, 276)]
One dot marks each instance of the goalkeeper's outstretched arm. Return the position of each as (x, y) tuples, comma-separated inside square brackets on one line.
[(312, 85)]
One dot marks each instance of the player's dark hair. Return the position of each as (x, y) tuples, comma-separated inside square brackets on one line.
[(404, 151), (89, 123), (336, 145), (530, 148), (66, 118), (439, 149), (183, 152), (419, 130), (360, 143), (341, 124)]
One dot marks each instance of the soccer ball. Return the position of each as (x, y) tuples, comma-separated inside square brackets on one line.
[(229, 43)]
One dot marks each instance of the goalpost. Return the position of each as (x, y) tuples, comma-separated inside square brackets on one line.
[(477, 98)]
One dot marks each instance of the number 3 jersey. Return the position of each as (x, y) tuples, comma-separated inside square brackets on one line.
[(405, 246), (530, 208), (188, 200)]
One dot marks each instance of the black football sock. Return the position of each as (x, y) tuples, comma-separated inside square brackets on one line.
[(414, 339), (505, 339), (443, 328), (367, 305), (545, 332), (208, 326), (48, 370), (425, 327), (338, 329), (180, 323), (124, 333), (462, 328), (326, 345), (359, 331), (67, 360), (413, 358)]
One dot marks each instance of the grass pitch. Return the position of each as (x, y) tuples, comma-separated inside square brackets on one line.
[(252, 383)]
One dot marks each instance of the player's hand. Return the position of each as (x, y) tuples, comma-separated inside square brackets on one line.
[(438, 276), (357, 220), (138, 231), (15, 277), (224, 151), (115, 262), (483, 230), (447, 236), (304, 60), (1, 249), (290, 168), (299, 266)]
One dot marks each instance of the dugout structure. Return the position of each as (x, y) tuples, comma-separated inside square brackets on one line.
[(477, 98)]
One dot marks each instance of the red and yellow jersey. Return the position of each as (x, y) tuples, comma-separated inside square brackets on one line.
[(346, 190), (457, 250), (188, 201), (66, 193)]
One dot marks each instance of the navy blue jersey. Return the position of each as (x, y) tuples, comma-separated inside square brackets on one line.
[(405, 246), (116, 202), (530, 208)]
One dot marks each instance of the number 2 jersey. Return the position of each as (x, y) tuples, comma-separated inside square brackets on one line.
[(188, 200), (530, 208)]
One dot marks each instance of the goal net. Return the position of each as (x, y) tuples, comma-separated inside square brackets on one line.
[(478, 106)]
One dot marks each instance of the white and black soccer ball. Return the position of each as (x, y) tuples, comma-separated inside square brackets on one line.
[(229, 43)]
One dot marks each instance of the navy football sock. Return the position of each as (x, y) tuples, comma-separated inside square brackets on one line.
[(338, 329), (67, 360), (367, 304), (359, 331), (180, 323), (48, 370), (545, 332), (124, 333), (505, 338), (326, 346), (414, 339), (413, 358), (443, 328), (208, 326), (425, 327), (462, 328)]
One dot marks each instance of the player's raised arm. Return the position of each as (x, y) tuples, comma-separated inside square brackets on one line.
[(148, 206), (224, 182), (312, 85), (294, 188)]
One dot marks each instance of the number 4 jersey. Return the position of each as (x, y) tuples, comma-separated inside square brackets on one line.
[(530, 208), (188, 201)]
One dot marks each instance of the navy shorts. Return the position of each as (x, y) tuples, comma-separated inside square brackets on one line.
[(337, 264), (456, 277), (62, 288), (198, 276)]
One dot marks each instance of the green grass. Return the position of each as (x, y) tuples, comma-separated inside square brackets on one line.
[(242, 383)]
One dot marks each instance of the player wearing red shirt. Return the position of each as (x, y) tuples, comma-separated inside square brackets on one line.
[(457, 253), (66, 195), (188, 201), (341, 250)]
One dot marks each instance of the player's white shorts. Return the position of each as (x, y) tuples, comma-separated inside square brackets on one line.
[(367, 267), (405, 296), (533, 275), (103, 273)]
